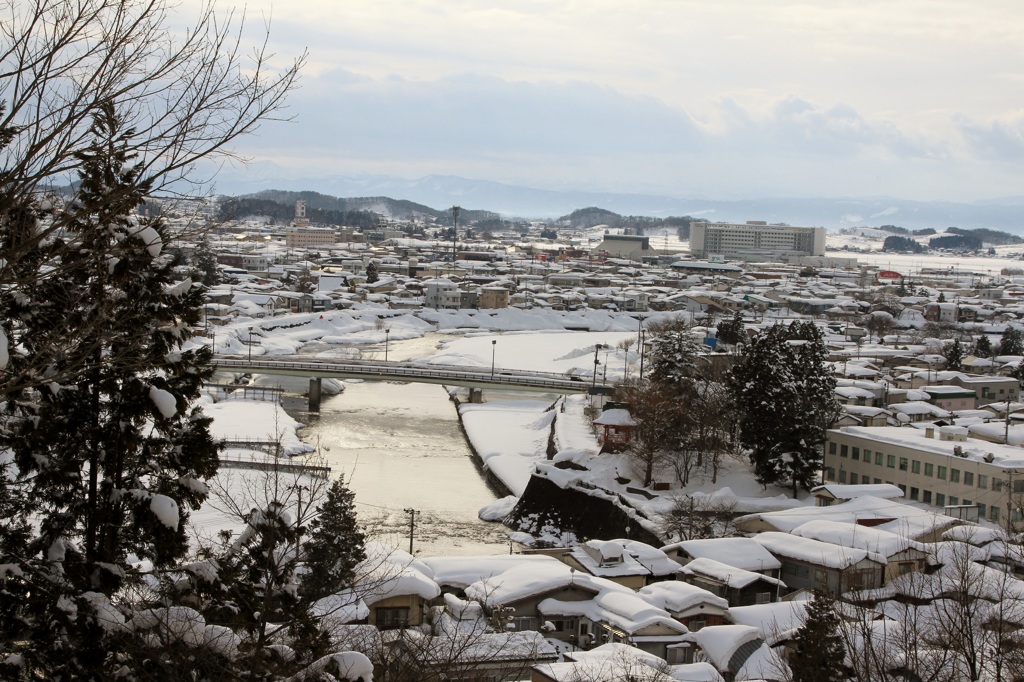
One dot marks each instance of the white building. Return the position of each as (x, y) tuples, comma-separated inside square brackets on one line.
[(442, 293), (939, 466), (755, 240)]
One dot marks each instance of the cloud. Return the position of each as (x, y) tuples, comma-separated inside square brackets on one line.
[(577, 134), (1000, 139)]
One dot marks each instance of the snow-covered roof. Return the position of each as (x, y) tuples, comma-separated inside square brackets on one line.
[(720, 642), (614, 661), (884, 491), (814, 551), (530, 580), (623, 610), (739, 552), (462, 571), (732, 576), (854, 535), (615, 417), (776, 620), (676, 596)]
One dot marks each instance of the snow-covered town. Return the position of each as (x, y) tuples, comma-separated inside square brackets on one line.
[(511, 342), (690, 570)]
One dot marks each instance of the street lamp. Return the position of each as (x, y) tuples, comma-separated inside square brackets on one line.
[(643, 340), (597, 362), (387, 337), (250, 344), (494, 346)]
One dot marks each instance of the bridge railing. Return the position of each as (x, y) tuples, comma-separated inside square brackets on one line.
[(411, 371), (555, 376)]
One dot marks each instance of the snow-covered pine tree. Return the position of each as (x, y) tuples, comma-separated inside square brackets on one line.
[(730, 332), (336, 545), (109, 457), (819, 654), (372, 272), (954, 354), (672, 356), (785, 396), (1011, 342), (982, 346)]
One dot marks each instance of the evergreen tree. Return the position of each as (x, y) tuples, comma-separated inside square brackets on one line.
[(819, 655), (730, 332), (954, 354), (672, 356), (204, 262), (336, 544), (1012, 342), (983, 347), (372, 272), (111, 458), (784, 392)]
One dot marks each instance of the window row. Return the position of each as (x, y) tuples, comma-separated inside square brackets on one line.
[(943, 473)]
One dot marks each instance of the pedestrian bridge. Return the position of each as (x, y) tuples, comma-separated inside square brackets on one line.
[(452, 375)]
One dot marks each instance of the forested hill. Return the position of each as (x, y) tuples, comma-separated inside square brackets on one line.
[(591, 216), (322, 209)]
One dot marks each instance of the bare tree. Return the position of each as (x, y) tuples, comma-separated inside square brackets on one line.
[(694, 517), (188, 94), (179, 97), (960, 623)]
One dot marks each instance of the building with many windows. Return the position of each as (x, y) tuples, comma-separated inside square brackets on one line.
[(938, 466), (299, 237), (755, 240)]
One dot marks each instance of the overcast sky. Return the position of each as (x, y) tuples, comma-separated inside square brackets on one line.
[(918, 99)]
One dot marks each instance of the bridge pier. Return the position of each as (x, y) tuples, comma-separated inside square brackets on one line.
[(315, 389), (476, 395)]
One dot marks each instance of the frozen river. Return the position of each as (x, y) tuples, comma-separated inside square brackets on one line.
[(400, 447)]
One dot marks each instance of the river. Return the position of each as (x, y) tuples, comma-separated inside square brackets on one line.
[(400, 447)]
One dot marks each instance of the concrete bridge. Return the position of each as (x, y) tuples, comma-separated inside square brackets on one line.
[(475, 378)]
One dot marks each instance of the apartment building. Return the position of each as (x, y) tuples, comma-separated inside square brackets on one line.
[(301, 237), (938, 466), (755, 240)]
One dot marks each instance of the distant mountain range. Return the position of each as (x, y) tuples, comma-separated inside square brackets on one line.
[(511, 201)]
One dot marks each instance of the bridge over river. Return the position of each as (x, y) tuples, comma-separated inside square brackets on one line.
[(475, 378)]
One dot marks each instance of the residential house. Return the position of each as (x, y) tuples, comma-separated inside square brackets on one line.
[(911, 521), (492, 297), (629, 563), (990, 389), (950, 397), (693, 606), (441, 293), (738, 652), (835, 493), (815, 565), (902, 555), (737, 586), (741, 553)]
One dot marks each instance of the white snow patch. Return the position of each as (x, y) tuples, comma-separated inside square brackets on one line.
[(164, 402), (498, 509), (165, 509), (151, 238)]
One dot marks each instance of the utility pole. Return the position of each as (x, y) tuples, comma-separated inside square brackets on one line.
[(412, 524), (455, 232)]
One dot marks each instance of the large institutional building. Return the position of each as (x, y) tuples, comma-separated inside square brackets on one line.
[(755, 240), (937, 466)]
